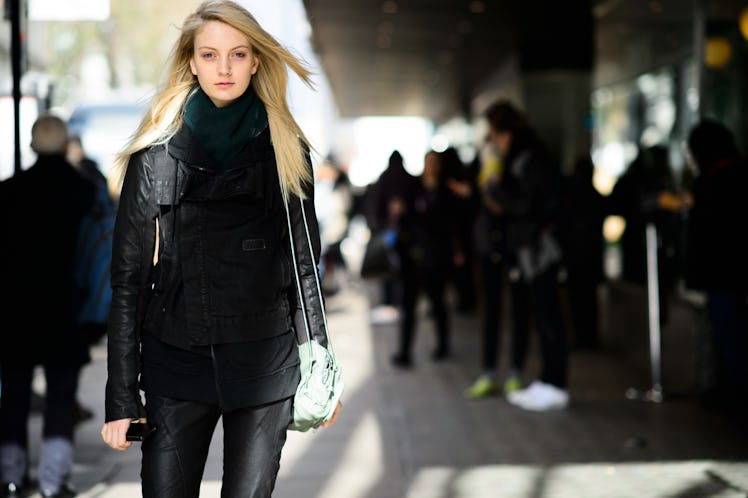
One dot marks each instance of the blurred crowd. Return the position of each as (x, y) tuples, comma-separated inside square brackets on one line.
[(509, 226)]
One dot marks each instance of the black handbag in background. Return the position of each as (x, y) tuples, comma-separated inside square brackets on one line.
[(380, 257)]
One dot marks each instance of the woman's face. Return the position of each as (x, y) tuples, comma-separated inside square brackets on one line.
[(502, 140), (223, 62), (431, 165)]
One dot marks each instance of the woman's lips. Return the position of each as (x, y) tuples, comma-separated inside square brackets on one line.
[(224, 84)]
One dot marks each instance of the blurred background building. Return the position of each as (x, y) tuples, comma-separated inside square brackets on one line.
[(602, 76)]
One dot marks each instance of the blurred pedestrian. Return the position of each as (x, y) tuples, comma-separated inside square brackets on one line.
[(717, 257), (498, 272), (86, 166), (646, 193), (581, 235), (465, 200), (93, 254), (386, 201), (205, 293), (529, 198), (94, 248), (40, 213), (334, 201), (427, 243)]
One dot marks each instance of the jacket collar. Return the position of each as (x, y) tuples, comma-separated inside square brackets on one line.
[(185, 148)]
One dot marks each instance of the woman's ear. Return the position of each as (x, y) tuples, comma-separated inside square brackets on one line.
[(255, 63), (192, 67)]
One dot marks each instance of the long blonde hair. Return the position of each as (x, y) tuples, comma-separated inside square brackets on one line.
[(165, 116)]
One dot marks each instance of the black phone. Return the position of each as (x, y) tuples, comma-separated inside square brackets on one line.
[(138, 431)]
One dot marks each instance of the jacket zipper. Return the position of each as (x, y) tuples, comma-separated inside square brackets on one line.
[(215, 375)]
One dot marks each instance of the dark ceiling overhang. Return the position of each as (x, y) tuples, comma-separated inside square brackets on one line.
[(414, 57), (431, 57)]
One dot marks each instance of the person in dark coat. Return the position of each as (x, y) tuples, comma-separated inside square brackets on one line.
[(460, 181), (386, 201), (427, 242), (40, 211), (581, 235), (717, 262), (529, 197), (86, 166), (498, 273), (646, 194), (394, 186)]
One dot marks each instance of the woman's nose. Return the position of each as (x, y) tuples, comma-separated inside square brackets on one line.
[(225, 67)]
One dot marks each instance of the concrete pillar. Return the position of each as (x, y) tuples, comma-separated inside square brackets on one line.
[(557, 103), (556, 48)]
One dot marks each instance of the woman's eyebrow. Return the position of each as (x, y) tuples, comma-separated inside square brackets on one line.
[(212, 48)]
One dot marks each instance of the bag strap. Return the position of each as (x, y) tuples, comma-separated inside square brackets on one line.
[(307, 327)]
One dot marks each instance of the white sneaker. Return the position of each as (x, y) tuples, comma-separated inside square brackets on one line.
[(521, 396), (540, 397)]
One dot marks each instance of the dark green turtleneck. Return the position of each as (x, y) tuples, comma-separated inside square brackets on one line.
[(224, 131)]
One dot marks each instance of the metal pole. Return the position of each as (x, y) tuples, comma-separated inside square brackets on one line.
[(16, 11), (654, 394), (653, 295)]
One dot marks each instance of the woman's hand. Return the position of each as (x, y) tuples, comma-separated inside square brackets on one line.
[(334, 416), (113, 433)]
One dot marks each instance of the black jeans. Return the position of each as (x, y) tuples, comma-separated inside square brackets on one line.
[(174, 455), (493, 286), (546, 312), (432, 282)]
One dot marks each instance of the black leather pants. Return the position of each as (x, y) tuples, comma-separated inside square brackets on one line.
[(174, 455)]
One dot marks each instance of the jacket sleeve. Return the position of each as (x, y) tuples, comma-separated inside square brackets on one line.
[(307, 309), (133, 244)]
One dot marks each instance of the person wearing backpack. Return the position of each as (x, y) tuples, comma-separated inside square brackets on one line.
[(40, 213), (93, 253), (93, 256)]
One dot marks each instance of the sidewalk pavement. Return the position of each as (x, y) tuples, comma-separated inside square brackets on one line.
[(411, 434)]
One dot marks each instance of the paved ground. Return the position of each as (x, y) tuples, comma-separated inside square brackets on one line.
[(411, 434)]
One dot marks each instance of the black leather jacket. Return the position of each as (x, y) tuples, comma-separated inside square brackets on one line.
[(224, 271)]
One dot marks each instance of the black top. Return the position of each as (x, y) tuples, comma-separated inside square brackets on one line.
[(221, 198), (229, 375)]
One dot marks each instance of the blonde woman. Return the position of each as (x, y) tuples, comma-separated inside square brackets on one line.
[(205, 300)]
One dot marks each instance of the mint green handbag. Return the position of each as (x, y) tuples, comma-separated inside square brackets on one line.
[(321, 384), (320, 387)]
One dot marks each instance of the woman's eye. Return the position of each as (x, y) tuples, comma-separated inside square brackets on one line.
[(240, 55), (207, 55)]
